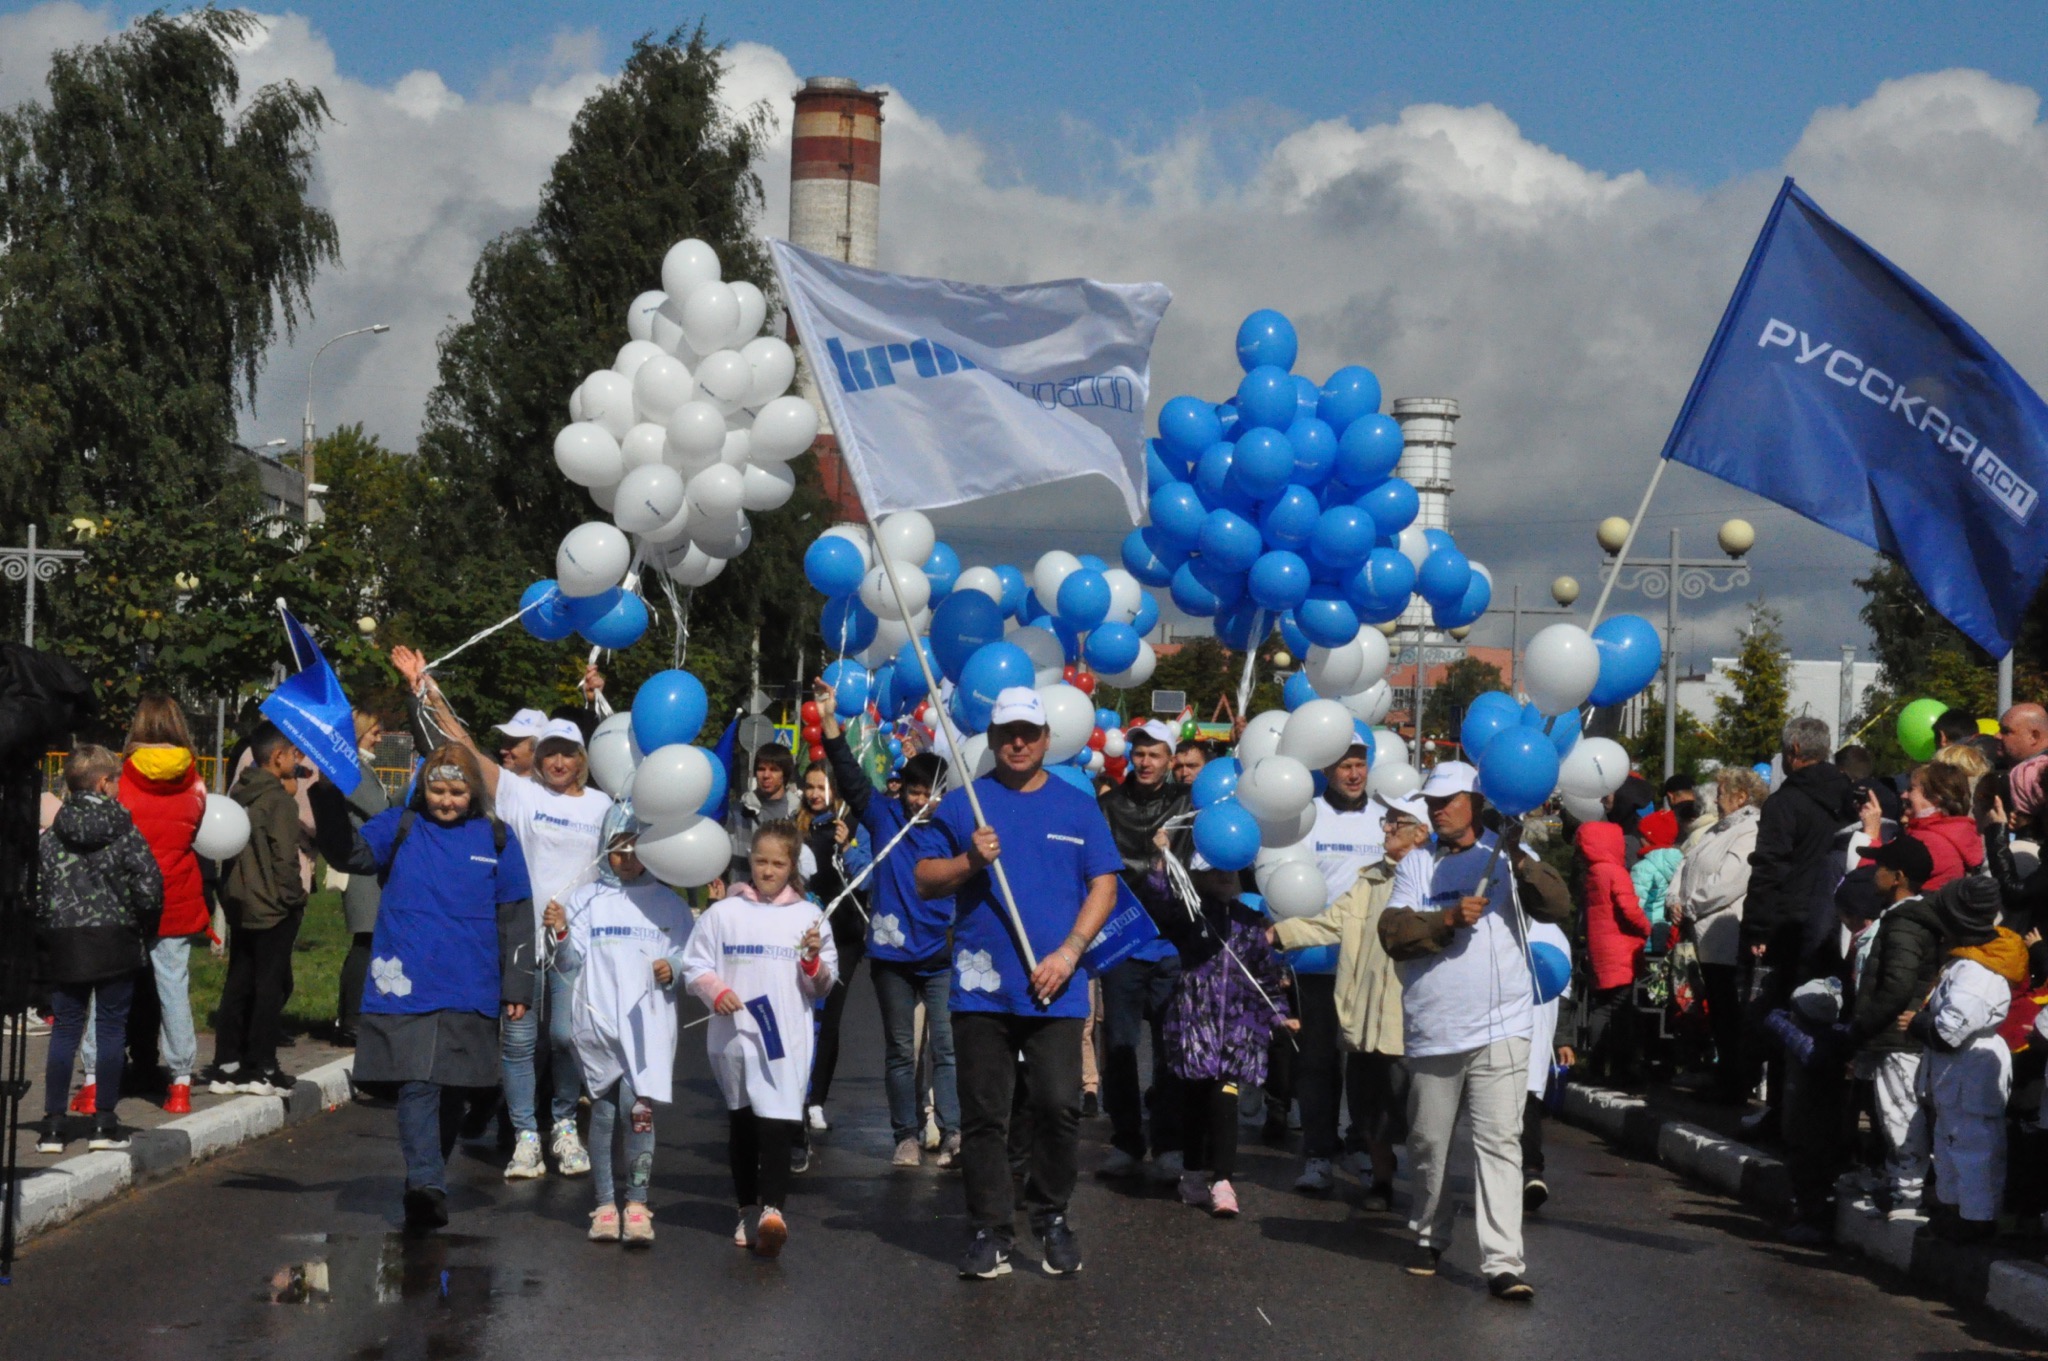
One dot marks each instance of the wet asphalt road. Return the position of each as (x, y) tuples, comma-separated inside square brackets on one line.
[(1628, 1263)]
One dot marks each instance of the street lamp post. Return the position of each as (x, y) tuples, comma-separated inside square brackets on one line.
[(306, 430), (28, 566), (1677, 576)]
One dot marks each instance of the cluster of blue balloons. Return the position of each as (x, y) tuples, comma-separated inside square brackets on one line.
[(613, 618), (1282, 502)]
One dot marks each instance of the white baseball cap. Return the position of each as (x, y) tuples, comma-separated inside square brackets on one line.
[(1408, 805), (526, 723), (563, 729), (1153, 730), (1451, 777), (1018, 704)]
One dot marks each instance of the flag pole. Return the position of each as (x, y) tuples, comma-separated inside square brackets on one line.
[(1614, 575)]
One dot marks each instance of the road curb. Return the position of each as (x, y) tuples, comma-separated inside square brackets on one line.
[(2016, 1288), (58, 1194)]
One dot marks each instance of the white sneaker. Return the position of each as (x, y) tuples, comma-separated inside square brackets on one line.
[(1166, 1168), (908, 1154), (1316, 1177), (1120, 1164), (1358, 1164), (743, 1233), (819, 1123), (569, 1154), (526, 1161)]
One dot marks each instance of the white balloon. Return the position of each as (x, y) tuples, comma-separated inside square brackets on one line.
[(1373, 702), (1372, 647), (1559, 668), (1584, 809), (1114, 743), (687, 266), (784, 428), (1333, 671), (1271, 856), (672, 783), (640, 315), (661, 384), (774, 367), (576, 411), (691, 566), (1594, 767), (1048, 655), (1275, 789), (736, 448), (592, 559), (665, 329), (1052, 569), (1126, 596), (723, 379), (674, 532), (1318, 734), (1295, 889), (223, 829), (1414, 545), (1261, 737), (1388, 749), (611, 753), (880, 598), (710, 313), (688, 853), (648, 499), (722, 536), (1393, 780), (608, 400), (1140, 671), (753, 311), (588, 454), (644, 444), (974, 758), (716, 491), (907, 536), (857, 535), (890, 636), (632, 355), (1071, 716), (606, 496), (1288, 831), (983, 579), (767, 487), (696, 437)]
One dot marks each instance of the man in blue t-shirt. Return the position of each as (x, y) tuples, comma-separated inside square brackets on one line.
[(1050, 841)]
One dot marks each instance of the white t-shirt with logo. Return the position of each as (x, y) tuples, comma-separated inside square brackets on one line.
[(1346, 843), (559, 833), (1479, 989)]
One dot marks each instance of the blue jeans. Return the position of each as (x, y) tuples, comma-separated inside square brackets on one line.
[(613, 1111), (520, 1040), (428, 1120), (1136, 994), (170, 960), (74, 1003), (899, 988)]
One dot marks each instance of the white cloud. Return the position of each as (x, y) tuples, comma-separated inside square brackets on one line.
[(28, 39)]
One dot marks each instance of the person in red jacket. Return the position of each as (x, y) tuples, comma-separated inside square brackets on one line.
[(1938, 817), (1616, 932)]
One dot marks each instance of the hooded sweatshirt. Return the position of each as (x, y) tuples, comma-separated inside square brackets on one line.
[(262, 884), (101, 889), (1953, 843), (1615, 925), (161, 789)]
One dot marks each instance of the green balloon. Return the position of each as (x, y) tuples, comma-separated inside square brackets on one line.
[(1916, 727)]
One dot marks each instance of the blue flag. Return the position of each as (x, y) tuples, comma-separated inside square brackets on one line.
[(1841, 389), (722, 755), (1129, 929), (311, 709)]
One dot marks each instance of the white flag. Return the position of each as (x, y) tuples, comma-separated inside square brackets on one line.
[(942, 392)]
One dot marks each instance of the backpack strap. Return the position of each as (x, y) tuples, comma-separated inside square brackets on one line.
[(499, 835)]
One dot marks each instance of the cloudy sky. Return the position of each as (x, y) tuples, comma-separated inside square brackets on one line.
[(1539, 216)]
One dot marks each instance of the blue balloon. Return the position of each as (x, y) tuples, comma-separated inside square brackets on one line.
[(588, 609), (1563, 730), (1265, 397), (1106, 719), (834, 564), (1191, 595), (1380, 589), (990, 671), (1315, 451), (1630, 657), (910, 682), (882, 691), (1392, 504), (847, 624), (964, 622), (1443, 576), (1306, 398), (1291, 634), (1264, 463), (1230, 543), (1092, 562), (1216, 484), (1227, 587), (1487, 717), (1297, 691), (716, 798), (1187, 426), (1368, 451), (1438, 538), (1073, 775), (1227, 835), (1177, 513), (1239, 624), (1290, 518), (1149, 558), (1226, 412), (669, 707), (1278, 580), (1327, 620), (1518, 770), (1161, 469), (1266, 337), (621, 626), (1112, 648), (942, 569), (1016, 589), (1083, 599), (1217, 782), (850, 684), (1351, 392), (1342, 537), (545, 612), (1553, 971), (1148, 613), (1478, 595)]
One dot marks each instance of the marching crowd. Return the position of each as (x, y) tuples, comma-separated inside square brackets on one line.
[(1845, 945)]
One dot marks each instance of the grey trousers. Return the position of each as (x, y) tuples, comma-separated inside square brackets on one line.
[(1487, 1085)]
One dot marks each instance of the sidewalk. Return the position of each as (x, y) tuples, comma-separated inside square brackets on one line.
[(1697, 1140)]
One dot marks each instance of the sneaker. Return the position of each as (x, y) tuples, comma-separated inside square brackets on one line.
[(815, 1117), (639, 1231), (1317, 1178), (1194, 1190), (1534, 1192), (259, 1085), (223, 1081), (949, 1149), (1120, 1164), (1062, 1250), (743, 1232), (800, 1157), (108, 1136), (1378, 1198), (1510, 1287), (1166, 1169), (1091, 1105), (908, 1153), (1905, 1213), (570, 1157), (1223, 1200), (770, 1233), (179, 1102), (604, 1224), (50, 1135), (1358, 1163), (929, 1135), (526, 1162), (1423, 1260), (986, 1259), (426, 1209), (86, 1102)]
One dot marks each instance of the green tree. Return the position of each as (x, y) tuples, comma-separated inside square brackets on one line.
[(1464, 680), (1749, 724), (158, 236), (1696, 741)]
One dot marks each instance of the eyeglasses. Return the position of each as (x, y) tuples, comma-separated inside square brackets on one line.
[(1395, 824)]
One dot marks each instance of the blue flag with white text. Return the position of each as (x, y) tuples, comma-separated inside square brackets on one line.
[(1839, 388), (311, 709)]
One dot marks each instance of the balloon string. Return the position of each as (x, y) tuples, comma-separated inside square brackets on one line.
[(1183, 885), (1246, 681), (938, 787), (476, 638)]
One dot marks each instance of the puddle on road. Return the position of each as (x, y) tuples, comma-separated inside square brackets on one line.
[(436, 1289)]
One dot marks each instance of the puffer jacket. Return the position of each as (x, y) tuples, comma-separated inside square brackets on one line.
[(1896, 977), (1792, 874), (101, 890), (161, 789), (1651, 879), (1713, 881), (1616, 928)]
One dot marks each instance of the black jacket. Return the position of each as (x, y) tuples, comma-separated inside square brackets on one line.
[(1136, 813), (1793, 868), (102, 893), (1904, 958)]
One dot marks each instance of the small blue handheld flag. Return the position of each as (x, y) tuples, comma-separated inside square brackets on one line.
[(311, 709)]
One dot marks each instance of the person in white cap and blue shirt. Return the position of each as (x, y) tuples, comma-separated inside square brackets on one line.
[(1468, 1007), (1061, 863)]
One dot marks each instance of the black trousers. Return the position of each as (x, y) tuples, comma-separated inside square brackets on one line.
[(758, 1150), (355, 972), (1319, 1068), (986, 1046), (1136, 994), (1532, 1137), (1208, 1121), (1611, 1033), (1724, 1022), (253, 996), (850, 938), (1376, 1088)]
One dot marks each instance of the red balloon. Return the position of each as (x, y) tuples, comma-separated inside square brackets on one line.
[(1070, 674), (817, 753), (1114, 767), (1085, 682), (810, 711), (1096, 739), (814, 733)]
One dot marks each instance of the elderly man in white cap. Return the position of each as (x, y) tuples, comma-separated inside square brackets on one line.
[(1061, 864), (1138, 992), (1468, 1007)]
